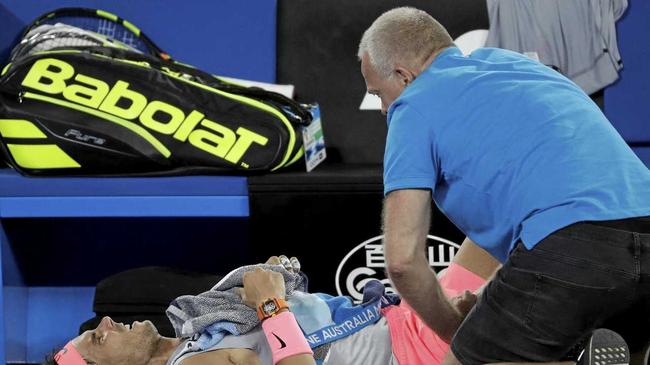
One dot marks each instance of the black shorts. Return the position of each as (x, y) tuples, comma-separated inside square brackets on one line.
[(544, 301)]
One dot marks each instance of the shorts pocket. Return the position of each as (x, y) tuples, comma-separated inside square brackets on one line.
[(563, 311)]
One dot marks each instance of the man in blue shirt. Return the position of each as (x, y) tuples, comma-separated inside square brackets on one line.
[(528, 167)]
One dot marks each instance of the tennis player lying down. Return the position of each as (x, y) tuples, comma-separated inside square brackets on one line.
[(398, 337)]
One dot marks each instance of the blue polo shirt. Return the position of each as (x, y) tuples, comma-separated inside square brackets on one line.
[(510, 149)]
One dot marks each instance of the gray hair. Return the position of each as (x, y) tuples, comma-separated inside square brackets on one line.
[(404, 35)]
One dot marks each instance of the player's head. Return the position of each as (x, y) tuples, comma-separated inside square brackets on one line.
[(136, 344), (395, 48), (111, 344)]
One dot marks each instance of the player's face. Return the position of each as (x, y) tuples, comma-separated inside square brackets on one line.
[(386, 89), (118, 344)]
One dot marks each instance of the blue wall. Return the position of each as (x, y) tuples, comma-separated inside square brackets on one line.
[(627, 102), (10, 27), (226, 37)]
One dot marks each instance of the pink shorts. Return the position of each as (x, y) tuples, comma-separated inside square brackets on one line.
[(413, 342)]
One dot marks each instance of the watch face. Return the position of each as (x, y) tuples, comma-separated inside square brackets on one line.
[(269, 307)]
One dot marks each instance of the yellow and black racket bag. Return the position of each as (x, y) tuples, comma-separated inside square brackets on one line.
[(76, 102)]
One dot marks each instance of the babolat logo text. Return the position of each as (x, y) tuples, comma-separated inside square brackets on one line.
[(366, 262), (57, 77)]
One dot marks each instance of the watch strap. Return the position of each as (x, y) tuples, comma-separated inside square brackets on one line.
[(280, 304)]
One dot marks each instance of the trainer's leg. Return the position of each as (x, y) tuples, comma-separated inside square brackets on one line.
[(544, 301), (450, 359)]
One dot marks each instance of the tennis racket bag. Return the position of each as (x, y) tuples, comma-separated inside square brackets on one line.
[(74, 101)]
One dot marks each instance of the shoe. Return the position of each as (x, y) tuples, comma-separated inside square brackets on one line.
[(605, 347)]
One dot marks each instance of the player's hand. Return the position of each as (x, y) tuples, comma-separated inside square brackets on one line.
[(290, 264), (464, 303), (260, 285)]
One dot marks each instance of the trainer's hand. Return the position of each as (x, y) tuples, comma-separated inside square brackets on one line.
[(260, 285), (464, 303), (290, 264)]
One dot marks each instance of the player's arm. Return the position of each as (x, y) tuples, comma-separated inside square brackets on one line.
[(297, 360), (287, 341), (477, 260), (470, 265), (406, 220)]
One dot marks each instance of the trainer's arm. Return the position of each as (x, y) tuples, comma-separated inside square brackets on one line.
[(406, 217)]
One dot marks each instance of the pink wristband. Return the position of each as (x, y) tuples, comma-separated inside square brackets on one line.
[(69, 356), (285, 337)]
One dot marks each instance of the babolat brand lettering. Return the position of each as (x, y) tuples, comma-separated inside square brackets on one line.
[(108, 109), (367, 262), (56, 77)]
